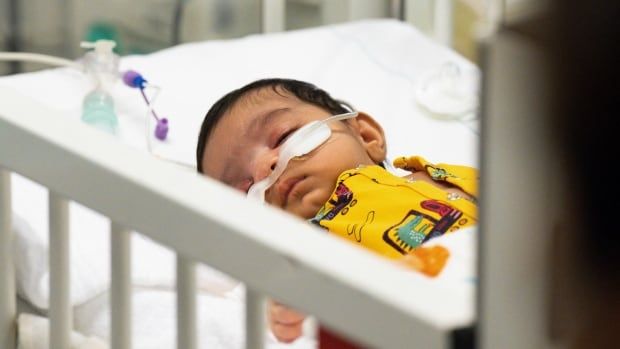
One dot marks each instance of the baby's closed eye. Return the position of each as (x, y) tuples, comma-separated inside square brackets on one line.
[(284, 136)]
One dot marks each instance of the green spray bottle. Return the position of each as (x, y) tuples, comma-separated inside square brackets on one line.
[(101, 64)]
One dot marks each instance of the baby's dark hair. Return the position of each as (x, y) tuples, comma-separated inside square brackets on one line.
[(304, 91)]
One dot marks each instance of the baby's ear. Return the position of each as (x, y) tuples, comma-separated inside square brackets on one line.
[(372, 136)]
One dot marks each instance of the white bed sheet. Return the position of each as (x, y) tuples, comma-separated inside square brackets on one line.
[(375, 65), (153, 324), (220, 321)]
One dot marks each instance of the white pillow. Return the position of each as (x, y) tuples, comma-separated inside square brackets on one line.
[(375, 65)]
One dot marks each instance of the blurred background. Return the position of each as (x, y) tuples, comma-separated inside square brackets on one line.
[(56, 27)]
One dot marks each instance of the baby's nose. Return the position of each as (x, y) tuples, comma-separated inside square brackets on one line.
[(265, 166)]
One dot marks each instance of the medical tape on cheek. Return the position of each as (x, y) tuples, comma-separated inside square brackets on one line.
[(309, 137), (300, 143)]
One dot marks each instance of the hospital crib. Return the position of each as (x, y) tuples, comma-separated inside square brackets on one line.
[(158, 199)]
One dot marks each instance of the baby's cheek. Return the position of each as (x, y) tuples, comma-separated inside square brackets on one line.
[(302, 211), (315, 200), (270, 199)]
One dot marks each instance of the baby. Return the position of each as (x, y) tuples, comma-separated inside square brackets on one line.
[(292, 145)]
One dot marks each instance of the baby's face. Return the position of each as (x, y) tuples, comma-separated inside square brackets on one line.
[(244, 147)]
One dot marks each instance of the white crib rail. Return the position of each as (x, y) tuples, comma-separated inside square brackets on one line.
[(186, 303), (7, 272), (273, 15), (434, 17), (120, 290), (443, 21), (254, 319), (60, 306), (275, 254)]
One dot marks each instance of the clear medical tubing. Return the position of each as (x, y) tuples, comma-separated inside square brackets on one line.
[(37, 58)]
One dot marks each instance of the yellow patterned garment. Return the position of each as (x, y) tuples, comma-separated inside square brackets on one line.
[(392, 215)]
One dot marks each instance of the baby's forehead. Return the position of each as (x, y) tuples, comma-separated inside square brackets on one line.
[(264, 97), (239, 126), (253, 111), (265, 107)]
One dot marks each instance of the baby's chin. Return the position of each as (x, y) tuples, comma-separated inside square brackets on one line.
[(309, 205), (305, 212)]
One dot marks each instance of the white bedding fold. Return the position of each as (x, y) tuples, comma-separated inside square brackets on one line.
[(34, 334), (220, 322)]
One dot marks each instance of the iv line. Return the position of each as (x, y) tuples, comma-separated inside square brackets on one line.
[(38, 58)]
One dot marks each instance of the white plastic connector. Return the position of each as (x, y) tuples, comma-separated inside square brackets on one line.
[(100, 46), (101, 64)]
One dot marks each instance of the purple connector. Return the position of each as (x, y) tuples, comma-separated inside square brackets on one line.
[(132, 78), (161, 130)]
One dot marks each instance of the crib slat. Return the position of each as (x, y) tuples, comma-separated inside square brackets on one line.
[(254, 319), (60, 307), (186, 303), (397, 9), (7, 276), (120, 292), (273, 15), (494, 14), (420, 14), (443, 21)]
